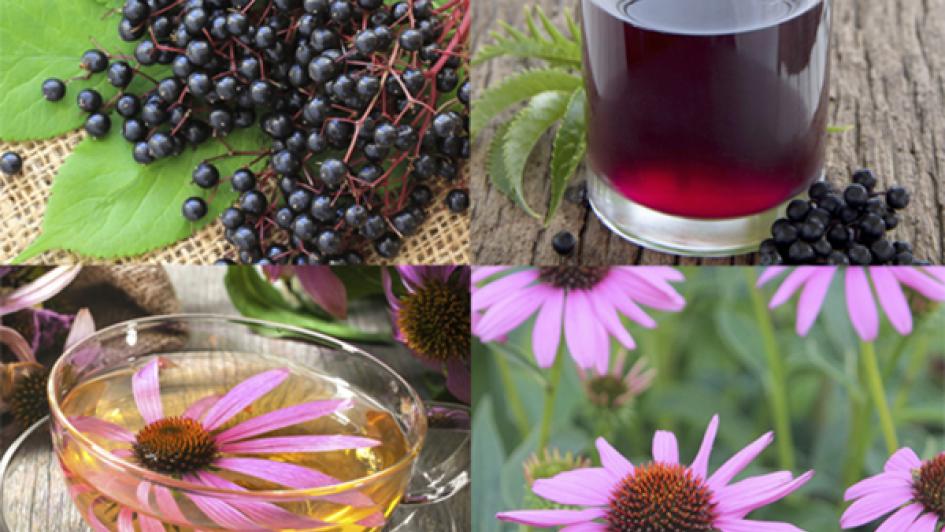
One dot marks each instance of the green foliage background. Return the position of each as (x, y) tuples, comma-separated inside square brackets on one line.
[(711, 360)]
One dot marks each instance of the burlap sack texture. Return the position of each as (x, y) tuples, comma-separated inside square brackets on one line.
[(443, 239)]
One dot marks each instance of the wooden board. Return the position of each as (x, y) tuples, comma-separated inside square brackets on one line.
[(888, 83)]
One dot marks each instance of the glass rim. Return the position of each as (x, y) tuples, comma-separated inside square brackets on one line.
[(145, 474)]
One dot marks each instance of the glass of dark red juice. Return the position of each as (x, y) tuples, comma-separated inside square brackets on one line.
[(704, 116)]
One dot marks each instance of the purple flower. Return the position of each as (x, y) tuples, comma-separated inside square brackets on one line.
[(433, 320), (586, 303), (614, 388), (320, 283), (191, 444), (621, 496), (912, 490), (38, 291), (814, 282)]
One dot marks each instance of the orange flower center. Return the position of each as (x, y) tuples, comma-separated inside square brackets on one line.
[(435, 321), (661, 498), (174, 445), (928, 485)]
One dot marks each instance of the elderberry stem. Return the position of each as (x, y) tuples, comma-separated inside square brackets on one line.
[(877, 392), (548, 412), (777, 378)]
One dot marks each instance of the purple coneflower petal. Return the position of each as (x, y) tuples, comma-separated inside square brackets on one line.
[(665, 448), (892, 300), (746, 525), (264, 513), (770, 273), (650, 292), (242, 395), (625, 304), (298, 444), (794, 281), (928, 286), (552, 517), (459, 380), (877, 483), (614, 462), (325, 289), (82, 325), (412, 276), (481, 273), (873, 506), (274, 271), (509, 313), (739, 461), (904, 459), (501, 289), (589, 486), (926, 523), (94, 521), (585, 527), (392, 300), (607, 315), (17, 344), (221, 512), (546, 334), (283, 417), (147, 391), (700, 463), (750, 501), (936, 271), (812, 299), (196, 410), (860, 304), (584, 335), (100, 427), (168, 506), (125, 520), (902, 519), (40, 290), (149, 524), (730, 497)]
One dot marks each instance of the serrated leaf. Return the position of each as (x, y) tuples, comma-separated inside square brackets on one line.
[(559, 50), (568, 150), (105, 205), (525, 130), (495, 165), (42, 39), (518, 88)]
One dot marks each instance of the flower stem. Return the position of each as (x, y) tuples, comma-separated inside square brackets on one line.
[(544, 431), (874, 383), (777, 378), (511, 393), (858, 440)]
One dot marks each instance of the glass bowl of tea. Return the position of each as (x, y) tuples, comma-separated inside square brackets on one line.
[(199, 422)]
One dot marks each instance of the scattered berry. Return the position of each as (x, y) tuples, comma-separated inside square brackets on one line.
[(11, 163), (564, 243)]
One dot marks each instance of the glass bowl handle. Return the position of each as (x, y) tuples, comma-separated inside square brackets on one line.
[(442, 469)]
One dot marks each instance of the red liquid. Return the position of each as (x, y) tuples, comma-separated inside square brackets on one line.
[(707, 108)]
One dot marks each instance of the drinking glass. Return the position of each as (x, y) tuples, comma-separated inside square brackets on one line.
[(704, 117), (433, 467)]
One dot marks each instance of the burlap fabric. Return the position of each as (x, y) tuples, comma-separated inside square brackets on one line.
[(443, 239)]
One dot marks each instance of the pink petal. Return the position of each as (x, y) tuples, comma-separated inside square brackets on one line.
[(481, 273), (552, 517), (762, 495), (904, 459), (892, 300), (581, 487), (585, 336), (298, 444), (293, 476), (730, 497), (625, 304), (795, 280), (700, 464), (812, 298), (392, 300), (168, 506), (508, 314), (149, 524), (264, 513), (770, 273), (614, 462), (860, 305), (147, 391), (650, 292), (38, 291), (274, 271), (877, 483), (926, 523), (930, 287), (283, 417), (17, 344), (242, 395), (665, 448), (902, 519), (82, 326), (93, 520), (325, 289), (936, 271), (739, 461), (745, 525), (100, 427), (199, 407), (607, 315), (546, 334), (219, 511), (502, 289), (874, 506), (125, 520)]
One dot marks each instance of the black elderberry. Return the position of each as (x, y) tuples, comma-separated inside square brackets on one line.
[(323, 210), (784, 232), (800, 253), (465, 93), (94, 61), (330, 242), (856, 195), (89, 100), (243, 180), (818, 190), (370, 173), (871, 228), (11, 163), (356, 215), (245, 238), (457, 200), (564, 243), (447, 80), (838, 258), (374, 227), (897, 197), (865, 177), (194, 209), (135, 11), (231, 218), (812, 230), (411, 40), (421, 195), (883, 251), (206, 175), (142, 153), (253, 202), (388, 246), (133, 130), (333, 172), (54, 89), (830, 202), (860, 255)]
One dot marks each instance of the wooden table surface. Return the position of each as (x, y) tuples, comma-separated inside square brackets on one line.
[(42, 502), (888, 83)]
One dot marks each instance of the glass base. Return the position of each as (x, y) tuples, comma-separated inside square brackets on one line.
[(691, 237)]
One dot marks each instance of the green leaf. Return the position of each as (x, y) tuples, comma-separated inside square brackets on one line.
[(495, 165), (254, 297), (524, 132), (105, 205), (558, 50), (518, 88), (568, 150), (486, 449), (42, 39)]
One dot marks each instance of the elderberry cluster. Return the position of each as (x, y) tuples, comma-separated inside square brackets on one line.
[(361, 103), (841, 227)]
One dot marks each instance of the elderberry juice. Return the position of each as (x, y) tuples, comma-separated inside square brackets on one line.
[(708, 109)]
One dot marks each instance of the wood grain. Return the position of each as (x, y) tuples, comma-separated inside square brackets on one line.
[(888, 83), (40, 503)]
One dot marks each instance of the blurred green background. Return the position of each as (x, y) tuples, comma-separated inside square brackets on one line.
[(711, 358)]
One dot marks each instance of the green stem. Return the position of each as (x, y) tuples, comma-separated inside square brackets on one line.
[(916, 364), (777, 377), (511, 393), (858, 440), (548, 413), (874, 383)]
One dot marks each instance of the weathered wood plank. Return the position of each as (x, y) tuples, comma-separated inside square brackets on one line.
[(888, 83)]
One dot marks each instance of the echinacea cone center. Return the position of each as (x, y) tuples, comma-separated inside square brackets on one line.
[(572, 277), (928, 485), (435, 321), (607, 390), (174, 445), (28, 402), (661, 497)]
